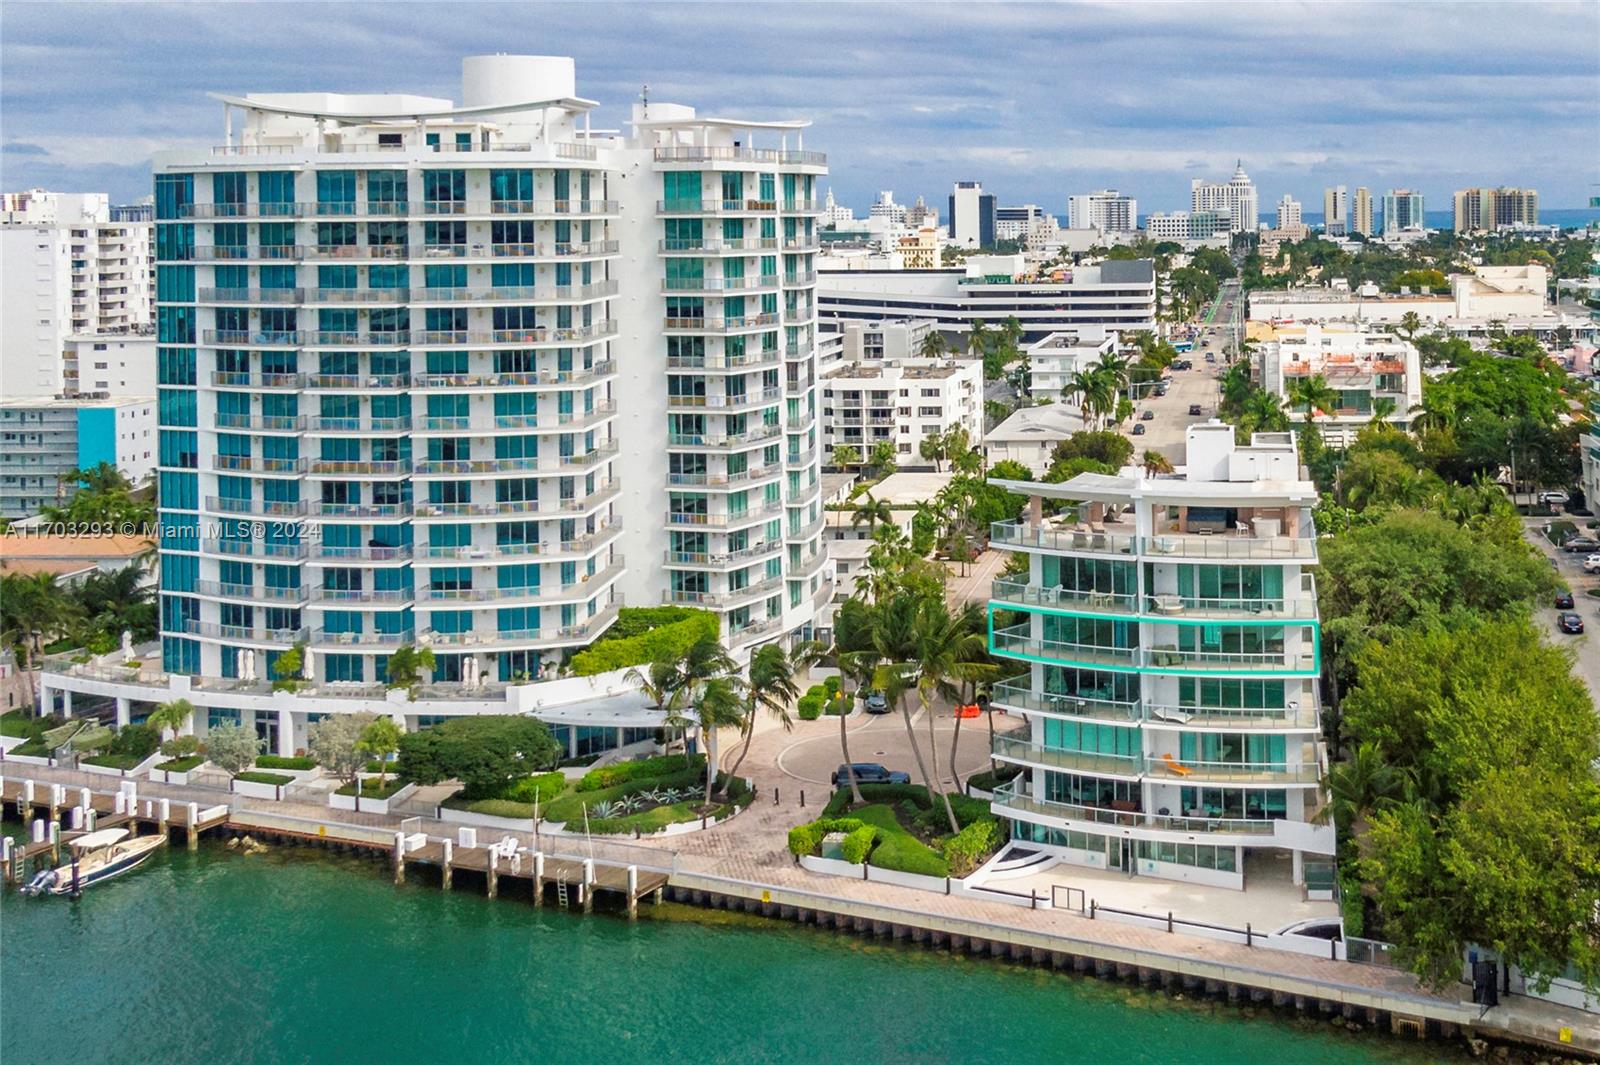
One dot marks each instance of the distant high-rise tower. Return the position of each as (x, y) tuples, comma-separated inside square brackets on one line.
[(1478, 210), (1361, 212), (1236, 200), (1335, 211), (1288, 213), (1402, 209), (972, 215), (1106, 210)]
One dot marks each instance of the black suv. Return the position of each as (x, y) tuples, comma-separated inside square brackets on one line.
[(868, 773)]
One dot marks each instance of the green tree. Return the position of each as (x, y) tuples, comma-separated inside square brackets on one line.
[(846, 455), (977, 339), (32, 603), (884, 458), (170, 716), (484, 752), (718, 703), (933, 345), (100, 495), (334, 742), (770, 686), (406, 666), (232, 748), (871, 512), (379, 739)]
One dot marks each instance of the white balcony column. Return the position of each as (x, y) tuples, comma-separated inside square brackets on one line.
[(45, 705), (124, 711), (1298, 867), (285, 733), (66, 702)]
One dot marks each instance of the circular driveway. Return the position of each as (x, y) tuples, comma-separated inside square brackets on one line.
[(812, 752)]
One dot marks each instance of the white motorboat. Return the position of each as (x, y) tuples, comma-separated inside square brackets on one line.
[(96, 856)]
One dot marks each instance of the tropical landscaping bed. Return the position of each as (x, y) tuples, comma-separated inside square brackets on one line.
[(374, 788), (896, 827), (21, 724)]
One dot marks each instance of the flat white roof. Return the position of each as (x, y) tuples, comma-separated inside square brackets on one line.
[(1129, 488), (624, 710), (401, 114)]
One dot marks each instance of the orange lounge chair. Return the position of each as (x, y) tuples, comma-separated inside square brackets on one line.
[(969, 710), (1172, 764)]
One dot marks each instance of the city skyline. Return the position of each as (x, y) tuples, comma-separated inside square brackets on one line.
[(1392, 112)]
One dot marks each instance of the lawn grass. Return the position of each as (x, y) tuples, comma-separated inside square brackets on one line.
[(116, 761), (897, 848), (517, 798), (569, 805), (275, 779), (181, 765), (18, 723)]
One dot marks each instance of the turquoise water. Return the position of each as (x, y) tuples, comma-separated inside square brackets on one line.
[(301, 956)]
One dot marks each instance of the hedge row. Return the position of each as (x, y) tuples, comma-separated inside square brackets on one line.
[(857, 844), (542, 788), (969, 848), (624, 772), (651, 643), (275, 779), (275, 761)]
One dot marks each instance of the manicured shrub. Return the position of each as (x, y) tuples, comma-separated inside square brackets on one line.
[(181, 747), (809, 706), (485, 753), (831, 684), (372, 789), (654, 633), (805, 839), (644, 769), (969, 848), (838, 706), (520, 811), (857, 844), (181, 765), (137, 742), (274, 761), (543, 788), (989, 779)]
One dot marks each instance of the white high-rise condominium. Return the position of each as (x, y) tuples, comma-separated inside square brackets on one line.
[(450, 364), (1106, 210), (972, 215), (1236, 199), (1402, 209), (1288, 213), (71, 265), (1335, 211)]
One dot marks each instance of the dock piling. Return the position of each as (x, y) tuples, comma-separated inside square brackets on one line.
[(194, 826), (586, 892), (538, 878), (399, 857), (444, 866), (633, 892), (494, 873)]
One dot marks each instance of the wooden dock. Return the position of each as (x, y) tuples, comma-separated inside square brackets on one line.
[(553, 868)]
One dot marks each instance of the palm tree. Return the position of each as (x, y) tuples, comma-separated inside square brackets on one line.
[(380, 739), (770, 686), (34, 603), (895, 637), (1314, 394), (860, 667), (977, 339), (170, 716), (1236, 386), (933, 345), (1383, 409), (1155, 462), (871, 513), (1434, 412), (718, 702), (933, 448), (1262, 413), (949, 650), (1365, 783), (1410, 325)]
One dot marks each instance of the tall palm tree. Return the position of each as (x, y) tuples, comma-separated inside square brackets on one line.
[(1383, 409), (771, 686), (1434, 412), (861, 667), (933, 345), (1262, 413), (947, 650), (1365, 783), (718, 703), (895, 637), (1314, 394), (871, 513), (977, 339)]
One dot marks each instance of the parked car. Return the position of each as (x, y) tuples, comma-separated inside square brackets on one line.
[(1147, 416), (1592, 564), (1194, 409), (1553, 499), (1581, 543), (1138, 429), (1210, 357), (873, 702), (1315, 927), (868, 773), (1564, 600), (1571, 624)]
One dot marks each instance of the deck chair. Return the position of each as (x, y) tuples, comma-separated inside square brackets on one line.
[(1175, 767)]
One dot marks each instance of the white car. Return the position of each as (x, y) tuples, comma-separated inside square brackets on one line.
[(1592, 564), (1553, 499)]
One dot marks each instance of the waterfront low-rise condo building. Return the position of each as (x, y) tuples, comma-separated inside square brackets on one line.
[(1169, 645)]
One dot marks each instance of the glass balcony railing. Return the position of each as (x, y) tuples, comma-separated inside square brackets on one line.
[(1071, 761), (1019, 696), (1020, 640), (1008, 799), (1022, 593), (1026, 534)]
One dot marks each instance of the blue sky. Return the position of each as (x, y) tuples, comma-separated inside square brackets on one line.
[(1035, 101)]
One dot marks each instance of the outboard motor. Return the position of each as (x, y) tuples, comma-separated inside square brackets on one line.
[(42, 882)]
